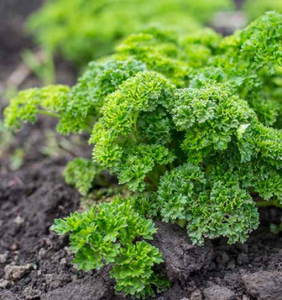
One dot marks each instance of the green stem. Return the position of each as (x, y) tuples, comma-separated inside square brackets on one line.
[(154, 181), (58, 116), (135, 132), (154, 177), (87, 128), (274, 203), (49, 114), (182, 223)]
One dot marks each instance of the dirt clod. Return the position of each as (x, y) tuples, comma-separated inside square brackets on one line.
[(54, 281), (264, 285), (94, 288), (17, 272), (217, 292), (29, 293), (181, 257), (3, 258), (4, 283), (197, 295), (7, 295)]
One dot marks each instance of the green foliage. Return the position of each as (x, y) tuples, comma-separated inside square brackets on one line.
[(207, 124), (191, 125), (106, 234), (255, 8), (212, 206), (276, 229), (83, 30), (117, 129), (76, 108), (86, 97), (27, 104), (81, 173), (175, 58)]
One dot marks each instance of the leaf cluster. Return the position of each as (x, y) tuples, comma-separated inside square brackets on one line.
[(81, 173), (77, 108), (111, 233), (152, 126)]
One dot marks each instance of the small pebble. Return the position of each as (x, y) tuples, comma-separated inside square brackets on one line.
[(3, 258), (53, 280), (16, 272), (41, 253), (19, 220), (217, 292), (29, 293), (68, 251), (14, 246), (197, 295), (63, 262), (4, 283)]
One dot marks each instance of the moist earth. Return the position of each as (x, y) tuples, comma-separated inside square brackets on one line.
[(35, 263)]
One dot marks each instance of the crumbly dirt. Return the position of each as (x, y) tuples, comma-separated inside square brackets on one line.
[(36, 264)]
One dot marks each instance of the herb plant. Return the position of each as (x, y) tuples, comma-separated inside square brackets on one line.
[(105, 235), (191, 125), (77, 28)]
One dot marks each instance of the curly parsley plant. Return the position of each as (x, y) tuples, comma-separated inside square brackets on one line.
[(191, 125)]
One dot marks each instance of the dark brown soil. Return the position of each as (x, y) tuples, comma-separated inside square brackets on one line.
[(36, 264)]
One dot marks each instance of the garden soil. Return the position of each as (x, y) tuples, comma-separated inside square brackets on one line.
[(35, 263)]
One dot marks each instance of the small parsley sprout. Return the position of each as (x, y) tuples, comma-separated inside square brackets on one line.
[(106, 234)]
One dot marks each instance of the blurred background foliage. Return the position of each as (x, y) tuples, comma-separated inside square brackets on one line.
[(255, 8), (84, 30)]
